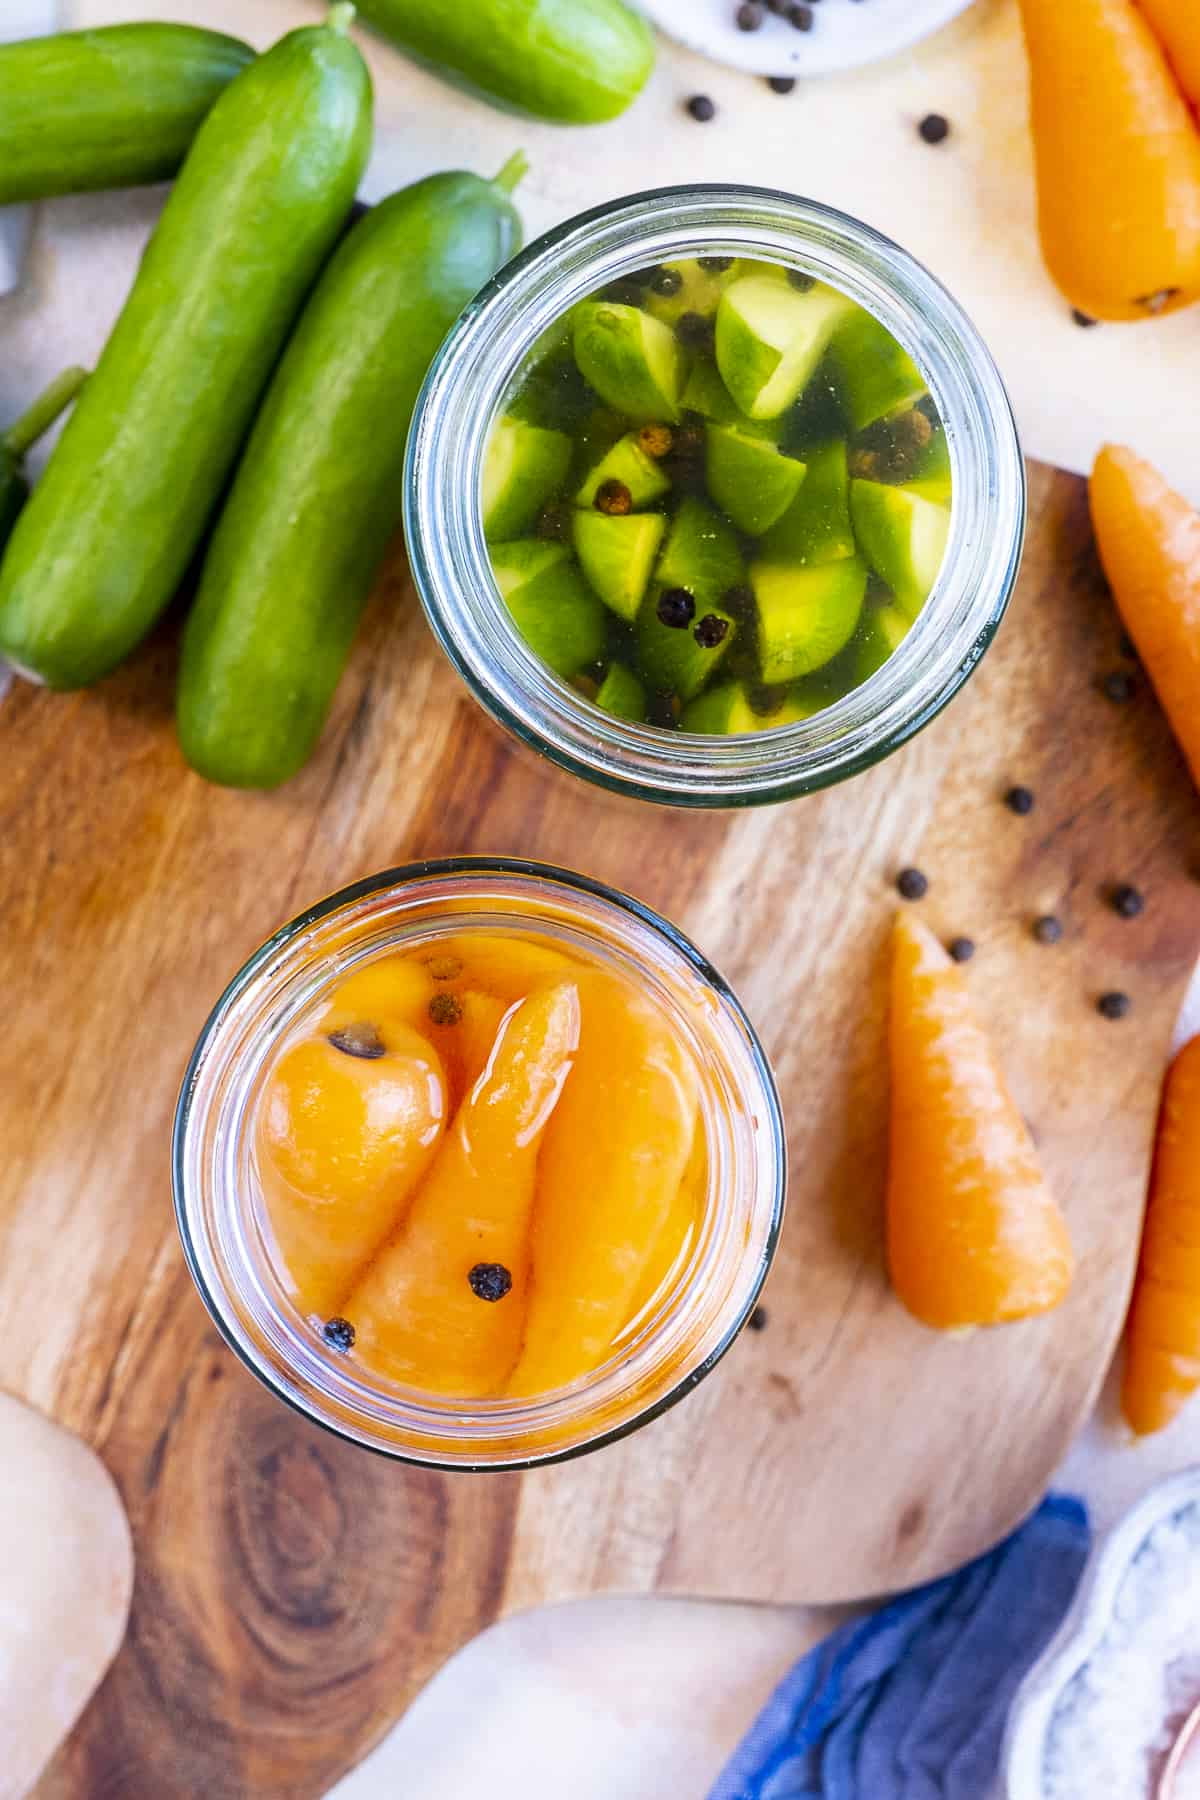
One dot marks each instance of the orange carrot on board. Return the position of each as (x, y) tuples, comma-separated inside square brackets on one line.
[(1149, 542), (1162, 1344), (1117, 155), (974, 1235), (1176, 25)]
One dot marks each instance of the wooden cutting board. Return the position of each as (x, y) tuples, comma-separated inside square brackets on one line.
[(293, 1592)]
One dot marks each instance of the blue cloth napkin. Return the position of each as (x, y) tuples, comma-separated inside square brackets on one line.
[(910, 1704)]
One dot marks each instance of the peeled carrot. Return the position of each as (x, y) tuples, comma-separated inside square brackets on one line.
[(1176, 25), (1117, 155), (1162, 1354), (1149, 542)]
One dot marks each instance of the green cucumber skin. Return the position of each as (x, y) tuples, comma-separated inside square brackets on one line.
[(111, 108), (578, 62), (318, 493), (113, 523)]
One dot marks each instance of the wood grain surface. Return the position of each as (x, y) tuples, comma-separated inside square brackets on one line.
[(293, 1592)]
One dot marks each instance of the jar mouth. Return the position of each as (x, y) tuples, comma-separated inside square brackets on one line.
[(222, 1229), (468, 382)]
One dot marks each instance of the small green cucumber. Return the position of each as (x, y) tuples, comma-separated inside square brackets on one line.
[(318, 493), (576, 61), (111, 108), (21, 437), (113, 523)]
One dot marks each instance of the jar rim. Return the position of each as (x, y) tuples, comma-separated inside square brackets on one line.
[(208, 1262), (448, 553)]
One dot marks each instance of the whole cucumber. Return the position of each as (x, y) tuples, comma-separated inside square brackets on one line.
[(318, 493), (577, 61), (21, 437), (103, 543), (111, 108)]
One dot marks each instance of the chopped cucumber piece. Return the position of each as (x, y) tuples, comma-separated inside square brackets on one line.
[(725, 711), (622, 694), (805, 616), (700, 291), (701, 555), (632, 361), (816, 527), (671, 659), (706, 393), (551, 604), (903, 537), (628, 463), (883, 631), (750, 480), (523, 466), (770, 338), (875, 374), (617, 556)]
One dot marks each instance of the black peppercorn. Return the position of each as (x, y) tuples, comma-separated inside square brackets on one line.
[(758, 1319), (1084, 319), (1127, 901), (749, 16), (781, 84), (1119, 686), (912, 884), (1114, 1005), (338, 1334), (934, 128), (1047, 929), (715, 265), (359, 1040), (961, 949), (1019, 800), (801, 17), (490, 1281), (694, 331), (445, 1009), (711, 631), (614, 498), (675, 608), (666, 282), (701, 108)]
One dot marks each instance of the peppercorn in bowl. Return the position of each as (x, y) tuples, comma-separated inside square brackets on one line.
[(479, 1164), (714, 496)]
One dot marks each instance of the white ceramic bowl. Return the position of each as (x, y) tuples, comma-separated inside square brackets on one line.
[(1080, 1633), (845, 34)]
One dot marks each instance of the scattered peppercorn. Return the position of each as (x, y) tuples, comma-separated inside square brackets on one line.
[(801, 17), (1047, 929), (338, 1334), (445, 1009), (961, 949), (1119, 685), (663, 710), (676, 608), (758, 1319), (445, 968), (694, 331), (359, 1040), (711, 631), (934, 128), (553, 522), (614, 498), (1127, 901), (800, 280), (1019, 800), (701, 108), (1084, 319), (912, 884), (656, 440), (749, 16), (666, 282), (715, 265), (1114, 1005), (781, 84), (490, 1281)]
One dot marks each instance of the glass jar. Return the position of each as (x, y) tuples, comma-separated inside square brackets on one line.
[(466, 387), (219, 1204)]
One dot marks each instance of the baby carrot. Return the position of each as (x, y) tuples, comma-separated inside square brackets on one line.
[(1149, 542), (1162, 1343), (1117, 156), (418, 1314)]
